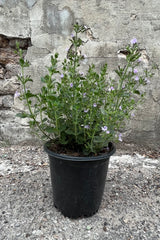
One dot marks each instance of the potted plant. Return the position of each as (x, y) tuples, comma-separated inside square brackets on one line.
[(81, 115)]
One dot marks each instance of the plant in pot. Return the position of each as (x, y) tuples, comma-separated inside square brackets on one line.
[(80, 115)]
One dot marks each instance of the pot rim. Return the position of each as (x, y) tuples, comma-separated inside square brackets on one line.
[(80, 159)]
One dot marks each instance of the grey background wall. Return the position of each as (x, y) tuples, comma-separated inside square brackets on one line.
[(44, 27)]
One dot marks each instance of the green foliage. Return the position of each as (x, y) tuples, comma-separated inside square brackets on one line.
[(83, 111)]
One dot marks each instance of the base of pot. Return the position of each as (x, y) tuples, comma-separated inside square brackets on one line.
[(76, 216)]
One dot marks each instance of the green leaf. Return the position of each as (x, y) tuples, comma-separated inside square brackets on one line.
[(63, 140), (26, 64), (29, 94), (22, 115), (32, 123), (69, 131), (56, 55), (27, 79), (45, 79), (17, 45), (21, 61), (44, 120), (50, 129), (137, 92), (98, 139)]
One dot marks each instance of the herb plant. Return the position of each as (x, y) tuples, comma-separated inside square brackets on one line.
[(83, 112)]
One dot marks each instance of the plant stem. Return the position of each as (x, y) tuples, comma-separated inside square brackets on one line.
[(120, 85), (29, 106), (75, 83)]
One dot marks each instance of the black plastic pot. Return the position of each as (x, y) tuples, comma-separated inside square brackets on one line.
[(78, 182)]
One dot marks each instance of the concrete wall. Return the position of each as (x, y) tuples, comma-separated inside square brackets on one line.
[(44, 27)]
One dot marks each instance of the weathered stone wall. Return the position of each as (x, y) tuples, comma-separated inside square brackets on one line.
[(44, 27)]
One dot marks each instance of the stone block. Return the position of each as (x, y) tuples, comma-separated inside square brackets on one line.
[(42, 41), (34, 53), (14, 134), (14, 130), (2, 71), (57, 21), (18, 104), (11, 70), (7, 101), (9, 86), (31, 3), (13, 3), (14, 20), (1, 97)]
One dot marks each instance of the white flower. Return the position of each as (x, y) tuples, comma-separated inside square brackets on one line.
[(120, 137), (147, 81), (17, 94), (105, 129), (94, 105)]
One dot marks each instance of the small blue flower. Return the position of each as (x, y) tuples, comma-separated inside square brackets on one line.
[(111, 89), (62, 75), (86, 126), (133, 41), (71, 85), (86, 110), (81, 73), (135, 70), (94, 105), (136, 78)]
